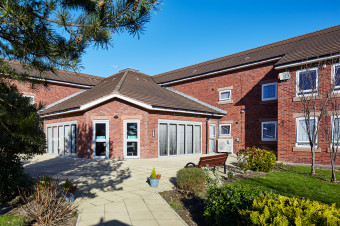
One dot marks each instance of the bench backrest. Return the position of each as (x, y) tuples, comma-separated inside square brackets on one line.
[(214, 160)]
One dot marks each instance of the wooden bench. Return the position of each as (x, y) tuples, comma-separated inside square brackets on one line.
[(211, 161)]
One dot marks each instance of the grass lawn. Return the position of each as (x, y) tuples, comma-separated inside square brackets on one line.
[(296, 181), (11, 220)]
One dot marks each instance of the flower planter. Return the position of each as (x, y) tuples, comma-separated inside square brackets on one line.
[(69, 197), (154, 182)]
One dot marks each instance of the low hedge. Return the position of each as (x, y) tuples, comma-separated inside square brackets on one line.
[(223, 203), (281, 210), (256, 159), (191, 179)]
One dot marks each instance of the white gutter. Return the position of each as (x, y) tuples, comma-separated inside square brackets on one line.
[(306, 62), (147, 106), (224, 70), (59, 82)]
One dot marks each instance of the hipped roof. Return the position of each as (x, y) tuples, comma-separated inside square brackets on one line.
[(137, 87)]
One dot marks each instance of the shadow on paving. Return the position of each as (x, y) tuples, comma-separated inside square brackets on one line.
[(113, 223), (87, 174)]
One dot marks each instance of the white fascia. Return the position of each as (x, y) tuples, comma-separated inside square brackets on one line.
[(60, 82), (306, 62), (130, 100)]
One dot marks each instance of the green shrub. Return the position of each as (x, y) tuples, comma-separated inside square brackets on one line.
[(223, 203), (12, 177), (191, 179), (256, 159), (281, 210), (153, 174)]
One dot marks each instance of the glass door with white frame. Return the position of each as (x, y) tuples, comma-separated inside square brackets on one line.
[(212, 138), (131, 138), (100, 139)]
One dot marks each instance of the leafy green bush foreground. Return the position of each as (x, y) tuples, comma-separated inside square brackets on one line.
[(223, 203), (256, 159), (9, 220), (281, 210)]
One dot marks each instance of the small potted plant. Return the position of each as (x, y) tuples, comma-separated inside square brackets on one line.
[(154, 178), (69, 188)]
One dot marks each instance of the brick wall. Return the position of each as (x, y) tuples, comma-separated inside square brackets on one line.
[(124, 111), (246, 94), (289, 109), (46, 94)]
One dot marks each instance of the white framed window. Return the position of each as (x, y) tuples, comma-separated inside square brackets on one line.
[(269, 131), (307, 81), (302, 138), (31, 98), (269, 91), (336, 130), (225, 95), (336, 76), (225, 130)]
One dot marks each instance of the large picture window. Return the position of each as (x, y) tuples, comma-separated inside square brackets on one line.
[(336, 76), (302, 137), (179, 137), (307, 81), (336, 131)]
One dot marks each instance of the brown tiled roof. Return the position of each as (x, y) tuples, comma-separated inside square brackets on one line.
[(60, 75), (308, 46), (136, 86)]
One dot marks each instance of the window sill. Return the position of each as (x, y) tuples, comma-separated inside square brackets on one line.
[(225, 102), (298, 99), (268, 101), (305, 149), (225, 137), (268, 142)]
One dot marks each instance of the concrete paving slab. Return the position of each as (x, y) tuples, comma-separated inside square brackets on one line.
[(116, 192)]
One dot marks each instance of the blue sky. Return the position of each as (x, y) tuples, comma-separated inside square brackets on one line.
[(186, 32)]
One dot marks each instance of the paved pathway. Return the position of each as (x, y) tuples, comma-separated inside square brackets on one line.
[(115, 192)]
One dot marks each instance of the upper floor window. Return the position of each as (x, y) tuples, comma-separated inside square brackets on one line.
[(31, 97), (225, 130), (225, 95), (269, 91), (302, 136), (336, 76), (268, 131), (307, 81)]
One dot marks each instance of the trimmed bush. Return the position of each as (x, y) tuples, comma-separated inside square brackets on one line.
[(281, 210), (223, 203), (256, 159), (191, 179)]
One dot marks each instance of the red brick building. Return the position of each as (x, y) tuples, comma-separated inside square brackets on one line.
[(245, 99)]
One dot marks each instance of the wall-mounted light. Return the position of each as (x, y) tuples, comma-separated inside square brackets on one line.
[(153, 133), (243, 110), (116, 116)]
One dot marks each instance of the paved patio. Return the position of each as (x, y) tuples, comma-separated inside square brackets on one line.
[(114, 192)]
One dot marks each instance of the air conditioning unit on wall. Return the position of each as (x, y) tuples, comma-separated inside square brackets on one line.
[(225, 145), (284, 76)]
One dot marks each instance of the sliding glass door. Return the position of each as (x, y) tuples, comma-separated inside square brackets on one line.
[(179, 138)]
